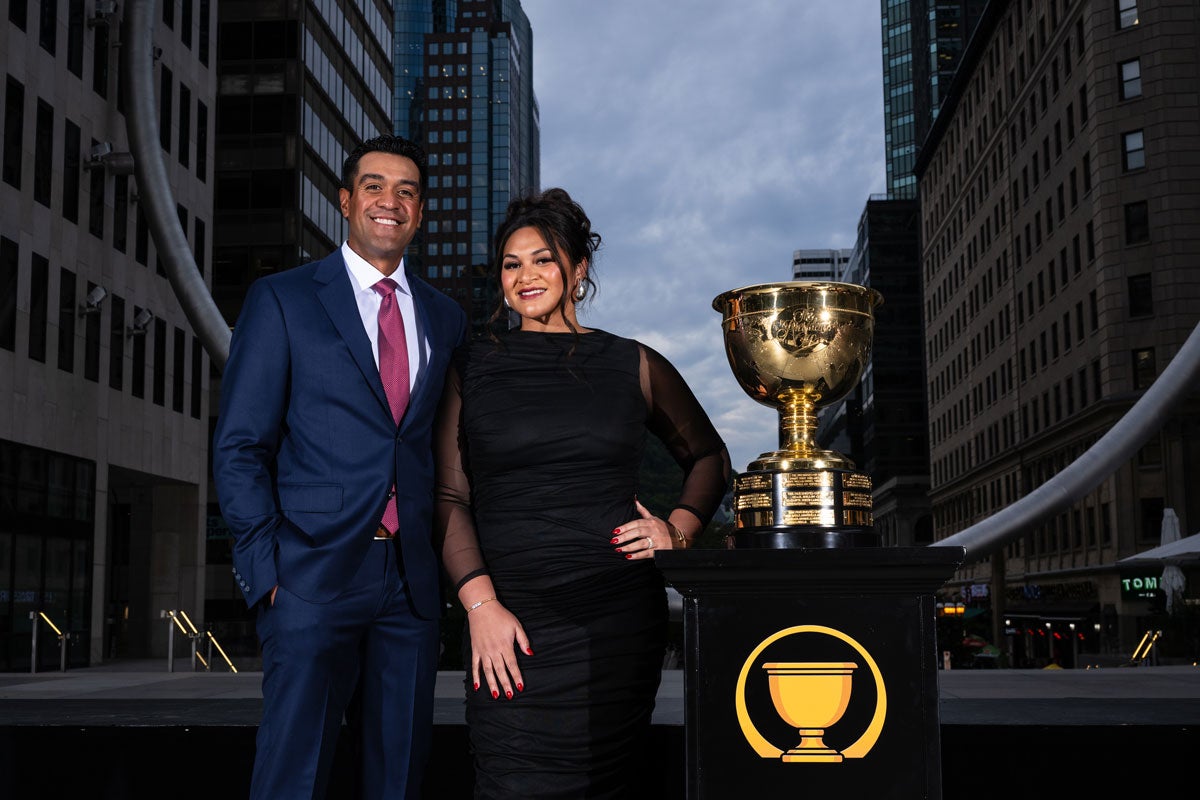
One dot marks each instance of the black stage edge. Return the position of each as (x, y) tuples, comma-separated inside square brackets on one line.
[(813, 668)]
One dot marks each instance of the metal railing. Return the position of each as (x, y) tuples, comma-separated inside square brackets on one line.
[(33, 646), (194, 637), (1142, 651)]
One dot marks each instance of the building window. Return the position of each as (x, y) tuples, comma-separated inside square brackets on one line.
[(165, 95), (48, 28), (179, 354), (116, 344), (9, 253), (14, 117), (39, 289), (141, 237), (1141, 302), (1133, 150), (100, 61), (202, 142), (185, 124), (75, 15), (43, 158), (1127, 13), (71, 170), (1131, 79), (96, 201), (91, 343), (120, 212), (205, 19), (1143, 367), (66, 320), (160, 362), (197, 377), (137, 381), (1137, 223)]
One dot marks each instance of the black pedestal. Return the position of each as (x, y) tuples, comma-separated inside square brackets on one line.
[(805, 633)]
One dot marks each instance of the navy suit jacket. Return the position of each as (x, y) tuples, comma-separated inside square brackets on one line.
[(305, 448)]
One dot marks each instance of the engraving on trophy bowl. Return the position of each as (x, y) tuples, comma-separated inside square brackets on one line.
[(798, 347), (811, 696)]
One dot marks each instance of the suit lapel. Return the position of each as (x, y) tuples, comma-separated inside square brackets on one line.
[(337, 296), (426, 328)]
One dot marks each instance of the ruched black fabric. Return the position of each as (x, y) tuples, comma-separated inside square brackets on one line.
[(538, 446)]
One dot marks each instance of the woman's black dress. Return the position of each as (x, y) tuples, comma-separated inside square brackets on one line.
[(540, 443)]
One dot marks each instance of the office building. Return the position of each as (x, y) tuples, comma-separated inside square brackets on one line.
[(819, 265), (469, 100), (103, 396), (1060, 226)]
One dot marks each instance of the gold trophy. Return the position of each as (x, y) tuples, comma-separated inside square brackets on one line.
[(800, 346), (810, 696)]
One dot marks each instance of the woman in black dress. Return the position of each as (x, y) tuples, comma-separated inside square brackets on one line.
[(538, 445)]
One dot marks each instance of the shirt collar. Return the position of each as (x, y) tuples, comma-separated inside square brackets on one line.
[(365, 276)]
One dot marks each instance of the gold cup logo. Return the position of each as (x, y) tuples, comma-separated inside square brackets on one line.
[(811, 697), (798, 347)]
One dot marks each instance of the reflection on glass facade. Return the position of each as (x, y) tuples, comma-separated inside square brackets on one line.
[(464, 90), (414, 20), (47, 515), (922, 45)]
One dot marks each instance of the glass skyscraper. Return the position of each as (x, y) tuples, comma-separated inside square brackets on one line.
[(923, 42), (464, 89)]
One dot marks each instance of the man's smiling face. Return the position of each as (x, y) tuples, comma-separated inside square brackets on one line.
[(383, 208)]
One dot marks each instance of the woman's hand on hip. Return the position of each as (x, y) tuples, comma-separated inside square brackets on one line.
[(639, 538)]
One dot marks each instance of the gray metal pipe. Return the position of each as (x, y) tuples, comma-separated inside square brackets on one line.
[(154, 188), (1102, 459)]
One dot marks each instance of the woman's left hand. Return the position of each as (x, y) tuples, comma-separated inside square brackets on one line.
[(639, 538)]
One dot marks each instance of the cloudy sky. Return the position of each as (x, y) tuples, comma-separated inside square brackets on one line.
[(707, 141)]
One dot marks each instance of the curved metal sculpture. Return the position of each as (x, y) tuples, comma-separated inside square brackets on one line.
[(1088, 471), (158, 203)]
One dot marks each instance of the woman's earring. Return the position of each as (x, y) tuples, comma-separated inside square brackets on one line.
[(580, 292), (506, 305)]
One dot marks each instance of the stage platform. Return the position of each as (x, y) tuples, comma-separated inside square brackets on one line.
[(128, 730)]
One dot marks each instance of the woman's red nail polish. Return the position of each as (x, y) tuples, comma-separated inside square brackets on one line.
[(495, 694), (508, 694), (613, 540), (477, 687), (627, 555), (520, 687), (529, 650), (618, 549), (616, 531)]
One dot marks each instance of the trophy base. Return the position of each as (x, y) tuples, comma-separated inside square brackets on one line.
[(804, 536), (784, 509)]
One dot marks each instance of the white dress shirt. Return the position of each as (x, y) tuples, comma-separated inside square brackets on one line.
[(363, 276)]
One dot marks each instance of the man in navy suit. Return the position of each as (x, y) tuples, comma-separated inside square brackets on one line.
[(307, 458)]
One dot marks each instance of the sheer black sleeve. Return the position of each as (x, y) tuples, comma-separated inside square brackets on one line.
[(677, 418), (453, 523)]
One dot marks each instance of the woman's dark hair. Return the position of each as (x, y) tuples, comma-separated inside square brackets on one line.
[(564, 226), (395, 145)]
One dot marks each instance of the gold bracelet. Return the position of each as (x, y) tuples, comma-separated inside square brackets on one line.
[(678, 534), (474, 606)]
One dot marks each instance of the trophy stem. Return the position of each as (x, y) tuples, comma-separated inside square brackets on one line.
[(798, 424)]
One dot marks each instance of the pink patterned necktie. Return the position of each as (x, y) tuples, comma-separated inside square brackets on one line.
[(393, 371)]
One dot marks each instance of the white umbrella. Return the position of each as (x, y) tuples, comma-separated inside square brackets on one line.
[(1172, 582)]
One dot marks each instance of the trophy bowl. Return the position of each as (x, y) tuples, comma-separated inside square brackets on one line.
[(798, 347)]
